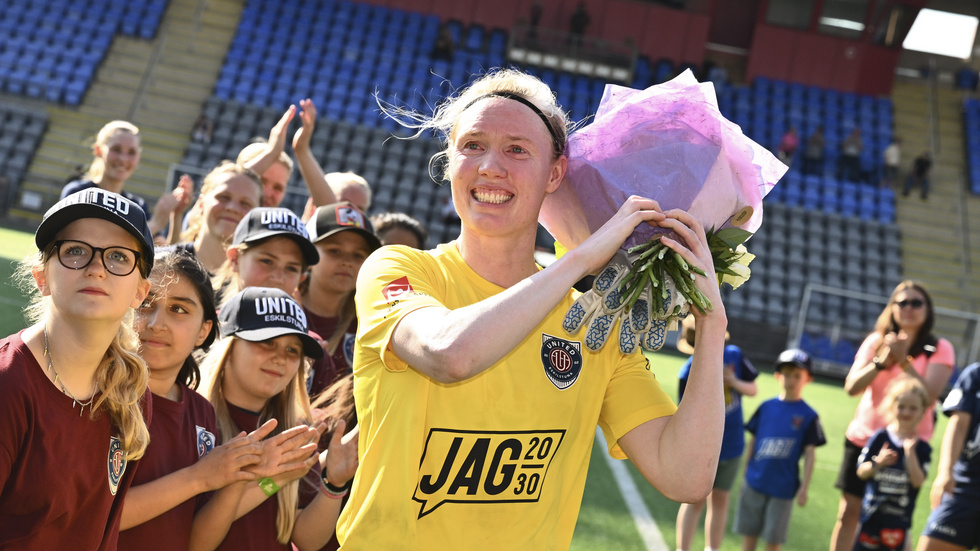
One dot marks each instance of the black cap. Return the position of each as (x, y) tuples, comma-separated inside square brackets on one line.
[(261, 313), (338, 217), (264, 222), (795, 357), (98, 203)]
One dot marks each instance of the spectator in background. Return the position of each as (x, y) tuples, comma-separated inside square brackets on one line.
[(901, 343), (347, 187), (398, 228), (891, 158), (445, 46), (271, 248), (894, 466), (739, 377), (784, 429), (536, 11), (325, 189), (116, 155), (273, 166), (849, 163), (203, 127), (919, 176), (788, 145), (814, 152), (344, 238), (579, 22), (229, 192)]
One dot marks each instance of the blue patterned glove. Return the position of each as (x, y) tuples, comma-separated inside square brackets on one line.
[(600, 308)]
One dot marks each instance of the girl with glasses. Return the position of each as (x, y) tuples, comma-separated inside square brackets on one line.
[(72, 387), (902, 343)]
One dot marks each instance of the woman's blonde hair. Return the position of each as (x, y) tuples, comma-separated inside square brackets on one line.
[(102, 138), (196, 219), (500, 81), (290, 407), (123, 387), (901, 385)]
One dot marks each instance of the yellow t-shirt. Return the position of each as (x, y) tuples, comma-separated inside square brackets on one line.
[(494, 462)]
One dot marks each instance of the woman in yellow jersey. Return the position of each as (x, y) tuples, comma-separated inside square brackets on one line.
[(477, 410)]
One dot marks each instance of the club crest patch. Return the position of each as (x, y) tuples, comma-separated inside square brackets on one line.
[(116, 464), (562, 360), (205, 441)]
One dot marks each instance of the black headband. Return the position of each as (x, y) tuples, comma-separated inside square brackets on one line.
[(554, 136)]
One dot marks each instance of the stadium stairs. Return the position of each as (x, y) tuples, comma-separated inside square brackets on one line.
[(158, 85), (941, 235)]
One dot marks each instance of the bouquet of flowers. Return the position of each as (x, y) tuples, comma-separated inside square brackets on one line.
[(669, 143)]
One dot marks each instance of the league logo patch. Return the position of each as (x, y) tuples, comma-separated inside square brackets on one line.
[(394, 290), (116, 464), (205, 441), (349, 340), (562, 360)]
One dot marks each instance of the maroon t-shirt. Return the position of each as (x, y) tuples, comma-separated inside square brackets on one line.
[(257, 529), (62, 475), (327, 370), (182, 432)]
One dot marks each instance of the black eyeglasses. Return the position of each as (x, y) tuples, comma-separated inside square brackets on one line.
[(76, 255), (914, 303)]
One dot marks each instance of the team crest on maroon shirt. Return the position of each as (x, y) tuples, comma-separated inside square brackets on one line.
[(117, 464), (205, 441), (562, 360)]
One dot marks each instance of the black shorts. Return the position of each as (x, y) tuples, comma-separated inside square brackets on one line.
[(848, 480)]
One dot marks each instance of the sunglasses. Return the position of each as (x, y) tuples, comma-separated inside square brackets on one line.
[(914, 303)]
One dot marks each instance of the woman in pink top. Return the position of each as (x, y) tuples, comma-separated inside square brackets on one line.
[(902, 344)]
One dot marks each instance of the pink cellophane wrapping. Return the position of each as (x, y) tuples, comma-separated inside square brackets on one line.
[(669, 143)]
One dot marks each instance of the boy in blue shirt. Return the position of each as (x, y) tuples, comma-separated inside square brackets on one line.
[(739, 377), (784, 429)]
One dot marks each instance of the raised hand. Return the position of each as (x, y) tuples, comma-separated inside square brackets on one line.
[(307, 115), (277, 136)]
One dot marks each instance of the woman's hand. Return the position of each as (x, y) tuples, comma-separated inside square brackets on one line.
[(896, 347), (692, 245), (596, 251)]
